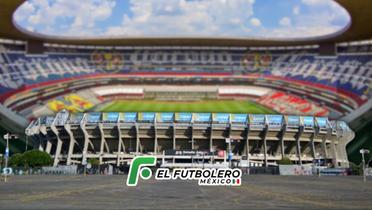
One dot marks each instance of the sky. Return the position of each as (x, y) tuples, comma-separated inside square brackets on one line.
[(183, 18)]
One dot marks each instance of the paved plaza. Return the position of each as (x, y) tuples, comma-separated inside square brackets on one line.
[(256, 192)]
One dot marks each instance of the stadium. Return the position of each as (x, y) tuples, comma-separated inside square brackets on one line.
[(114, 98)]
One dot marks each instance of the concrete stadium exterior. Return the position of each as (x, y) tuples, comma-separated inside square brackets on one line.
[(116, 138)]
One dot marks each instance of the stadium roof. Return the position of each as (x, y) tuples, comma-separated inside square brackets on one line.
[(358, 30)]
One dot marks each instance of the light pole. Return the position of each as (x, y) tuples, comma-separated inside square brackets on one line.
[(84, 162), (7, 137), (26, 143), (229, 154), (364, 152)]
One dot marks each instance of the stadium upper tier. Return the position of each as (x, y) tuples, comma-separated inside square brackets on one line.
[(341, 82)]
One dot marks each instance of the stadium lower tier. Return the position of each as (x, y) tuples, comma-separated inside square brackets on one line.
[(82, 94), (116, 138)]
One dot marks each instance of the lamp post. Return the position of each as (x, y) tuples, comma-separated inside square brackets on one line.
[(229, 154), (7, 137), (26, 143), (364, 152), (84, 162)]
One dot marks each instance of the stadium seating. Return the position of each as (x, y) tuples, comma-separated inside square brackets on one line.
[(289, 104), (72, 103), (349, 73)]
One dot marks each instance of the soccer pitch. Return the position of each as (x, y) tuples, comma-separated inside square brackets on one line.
[(208, 106)]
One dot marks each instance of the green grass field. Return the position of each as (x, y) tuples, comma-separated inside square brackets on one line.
[(210, 106)]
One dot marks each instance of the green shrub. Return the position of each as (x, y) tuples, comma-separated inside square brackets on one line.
[(16, 160), (1, 160), (356, 169), (36, 158), (285, 161)]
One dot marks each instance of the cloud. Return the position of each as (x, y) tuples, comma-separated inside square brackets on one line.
[(24, 11), (296, 10), (179, 18), (83, 14), (285, 21), (255, 22), (316, 2), (186, 18)]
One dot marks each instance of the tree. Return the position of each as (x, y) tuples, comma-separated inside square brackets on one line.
[(356, 169), (36, 158), (1, 159), (16, 160), (285, 161)]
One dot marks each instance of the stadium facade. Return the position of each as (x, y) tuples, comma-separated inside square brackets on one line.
[(328, 77), (116, 138)]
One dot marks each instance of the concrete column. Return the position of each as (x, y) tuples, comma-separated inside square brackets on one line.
[(48, 143), (137, 139), (211, 139), (247, 143), (333, 145), (324, 146), (59, 145), (298, 142), (102, 146), (266, 129), (229, 137), (192, 135), (155, 138), (312, 144), (120, 144), (71, 145), (334, 153), (48, 146), (281, 141), (86, 142), (174, 136)]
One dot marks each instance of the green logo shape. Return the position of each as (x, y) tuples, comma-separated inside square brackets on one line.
[(136, 167)]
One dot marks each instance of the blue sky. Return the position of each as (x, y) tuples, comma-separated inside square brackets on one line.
[(183, 18)]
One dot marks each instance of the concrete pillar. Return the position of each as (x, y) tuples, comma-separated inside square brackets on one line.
[(102, 146), (137, 139), (334, 151), (48, 146), (324, 146), (230, 135), (155, 138), (174, 136), (192, 135), (86, 142), (71, 145), (59, 145), (298, 142), (333, 145), (266, 129), (247, 143), (312, 144), (48, 143), (121, 146), (211, 139), (281, 141)]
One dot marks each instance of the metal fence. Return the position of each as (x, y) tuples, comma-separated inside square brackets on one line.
[(264, 170)]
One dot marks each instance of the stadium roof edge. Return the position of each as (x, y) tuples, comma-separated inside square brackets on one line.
[(357, 30)]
